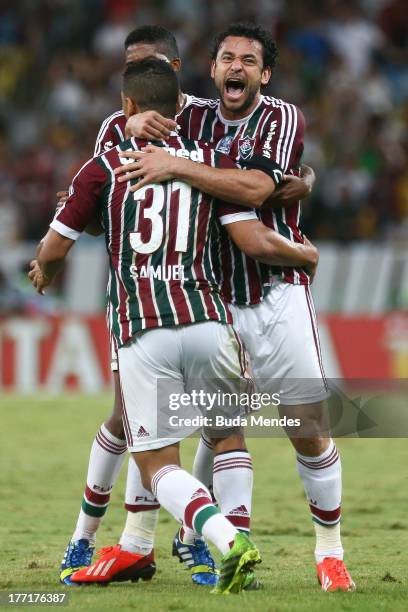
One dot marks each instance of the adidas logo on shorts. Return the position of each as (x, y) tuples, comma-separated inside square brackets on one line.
[(142, 433)]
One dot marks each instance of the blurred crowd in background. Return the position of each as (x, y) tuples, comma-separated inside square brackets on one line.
[(345, 64)]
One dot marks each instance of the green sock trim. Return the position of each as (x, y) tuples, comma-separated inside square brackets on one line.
[(93, 510), (202, 517), (316, 520)]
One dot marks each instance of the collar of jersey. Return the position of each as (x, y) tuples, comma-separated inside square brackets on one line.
[(187, 101), (237, 121)]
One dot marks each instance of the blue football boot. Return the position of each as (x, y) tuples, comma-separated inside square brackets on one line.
[(78, 555), (198, 559)]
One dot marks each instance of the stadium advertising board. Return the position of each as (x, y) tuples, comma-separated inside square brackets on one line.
[(72, 352)]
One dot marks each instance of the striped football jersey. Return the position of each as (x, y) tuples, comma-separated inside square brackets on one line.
[(112, 130), (274, 131), (160, 240)]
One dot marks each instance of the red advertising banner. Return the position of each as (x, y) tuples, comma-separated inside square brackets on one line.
[(72, 352), (54, 354), (370, 347)]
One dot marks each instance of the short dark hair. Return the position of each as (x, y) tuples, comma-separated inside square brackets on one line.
[(152, 34), (153, 85), (254, 32)]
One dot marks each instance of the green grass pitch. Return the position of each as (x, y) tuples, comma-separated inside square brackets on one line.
[(45, 444)]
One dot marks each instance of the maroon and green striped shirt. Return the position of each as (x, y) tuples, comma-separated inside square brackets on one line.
[(160, 240), (273, 131)]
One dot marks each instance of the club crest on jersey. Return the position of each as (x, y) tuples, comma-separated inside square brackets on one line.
[(246, 147), (224, 145)]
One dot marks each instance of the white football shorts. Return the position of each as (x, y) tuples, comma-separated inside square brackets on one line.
[(160, 368), (281, 337)]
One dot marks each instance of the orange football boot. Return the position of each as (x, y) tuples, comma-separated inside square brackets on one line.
[(333, 575), (116, 565)]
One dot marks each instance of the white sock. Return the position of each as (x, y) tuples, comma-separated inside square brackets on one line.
[(203, 462), (143, 513), (86, 527), (138, 534), (218, 532), (187, 499), (328, 542), (105, 461), (322, 483), (203, 471), (233, 483), (188, 536), (137, 498)]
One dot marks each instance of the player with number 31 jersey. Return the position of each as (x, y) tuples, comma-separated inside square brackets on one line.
[(159, 241)]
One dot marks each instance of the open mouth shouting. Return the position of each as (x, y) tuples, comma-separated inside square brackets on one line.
[(234, 89)]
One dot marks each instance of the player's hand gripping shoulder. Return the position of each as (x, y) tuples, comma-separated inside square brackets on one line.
[(149, 125), (293, 188), (152, 165)]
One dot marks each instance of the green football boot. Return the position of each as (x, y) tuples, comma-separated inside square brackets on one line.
[(236, 566)]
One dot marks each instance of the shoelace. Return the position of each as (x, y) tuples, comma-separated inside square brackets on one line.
[(201, 554), (81, 555)]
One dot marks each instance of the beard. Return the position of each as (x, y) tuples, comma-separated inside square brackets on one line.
[(247, 102)]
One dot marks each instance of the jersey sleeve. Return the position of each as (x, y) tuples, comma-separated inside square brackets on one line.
[(280, 146), (229, 213), (83, 201), (111, 133)]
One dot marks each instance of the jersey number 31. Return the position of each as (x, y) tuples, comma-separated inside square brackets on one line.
[(154, 214)]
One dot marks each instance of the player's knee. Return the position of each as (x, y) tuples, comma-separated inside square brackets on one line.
[(147, 480), (115, 426), (235, 441), (117, 405), (311, 447), (151, 462)]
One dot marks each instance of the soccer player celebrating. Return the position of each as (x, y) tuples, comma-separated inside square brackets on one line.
[(272, 309), (108, 449), (168, 225)]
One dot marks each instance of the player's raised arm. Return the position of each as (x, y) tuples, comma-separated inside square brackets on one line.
[(244, 187)]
